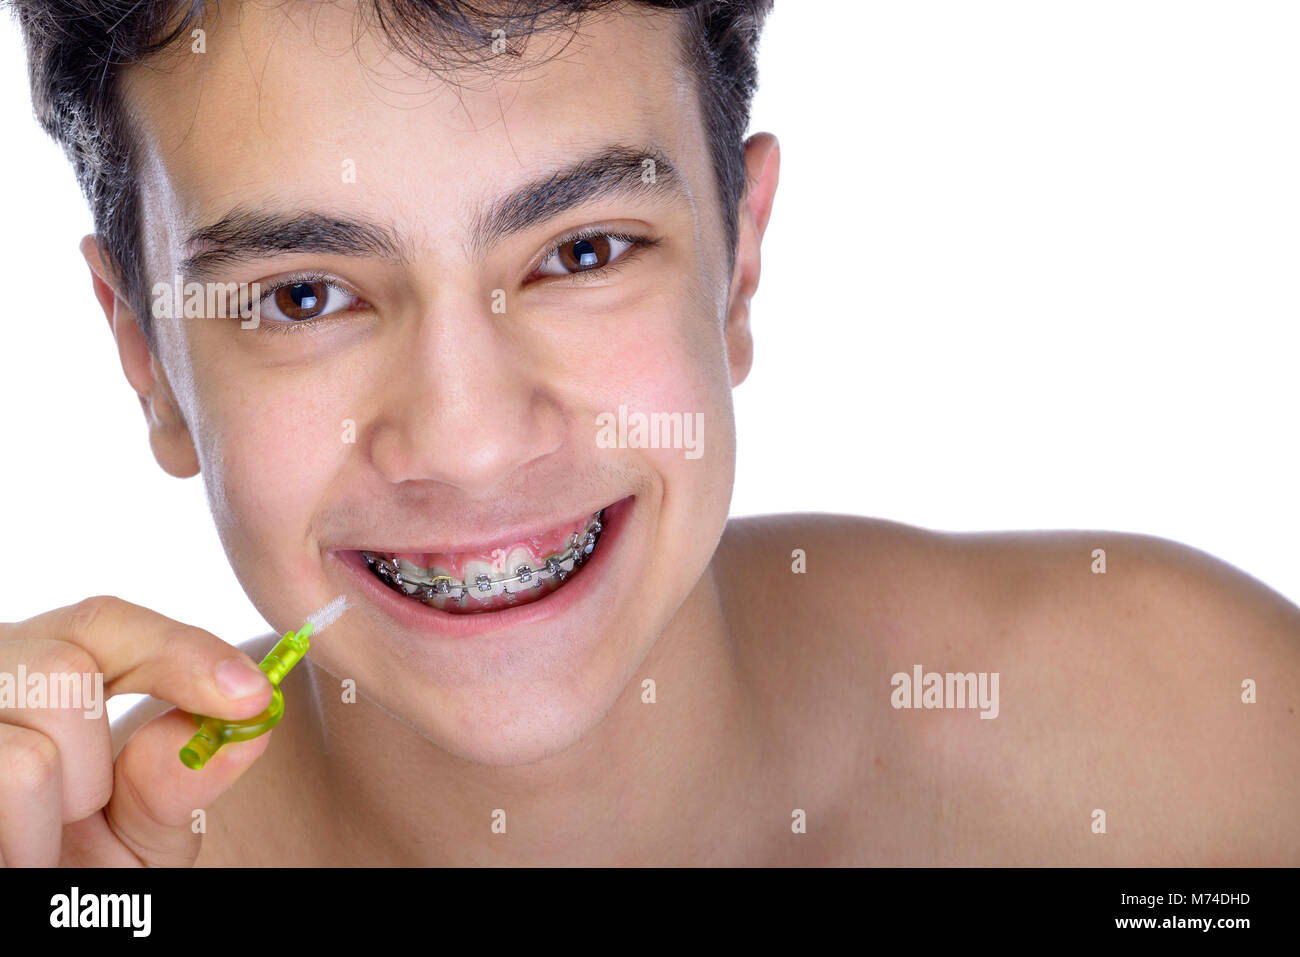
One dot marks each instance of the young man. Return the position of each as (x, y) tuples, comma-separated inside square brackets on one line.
[(480, 261)]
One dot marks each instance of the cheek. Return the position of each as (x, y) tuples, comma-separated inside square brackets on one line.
[(665, 355), (670, 359), (267, 452)]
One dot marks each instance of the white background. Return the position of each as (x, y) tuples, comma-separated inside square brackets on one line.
[(1032, 265)]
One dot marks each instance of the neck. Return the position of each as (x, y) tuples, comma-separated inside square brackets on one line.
[(650, 783)]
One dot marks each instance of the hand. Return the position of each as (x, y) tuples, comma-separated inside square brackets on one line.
[(64, 801)]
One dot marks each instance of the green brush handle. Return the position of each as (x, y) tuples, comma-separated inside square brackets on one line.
[(214, 732)]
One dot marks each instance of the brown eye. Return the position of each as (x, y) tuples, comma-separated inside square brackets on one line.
[(307, 299), (302, 300), (586, 255)]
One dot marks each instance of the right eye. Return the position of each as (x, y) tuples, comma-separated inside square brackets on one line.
[(301, 300)]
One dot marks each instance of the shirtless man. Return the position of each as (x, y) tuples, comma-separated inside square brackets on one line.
[(467, 272)]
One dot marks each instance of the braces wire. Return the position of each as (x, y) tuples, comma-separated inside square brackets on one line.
[(445, 586)]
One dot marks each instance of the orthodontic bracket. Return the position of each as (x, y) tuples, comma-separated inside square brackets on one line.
[(445, 586)]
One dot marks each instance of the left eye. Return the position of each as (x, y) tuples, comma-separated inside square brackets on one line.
[(302, 300), (585, 255)]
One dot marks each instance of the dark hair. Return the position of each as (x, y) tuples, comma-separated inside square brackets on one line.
[(77, 48)]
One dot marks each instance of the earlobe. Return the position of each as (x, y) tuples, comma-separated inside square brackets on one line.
[(169, 436), (762, 172)]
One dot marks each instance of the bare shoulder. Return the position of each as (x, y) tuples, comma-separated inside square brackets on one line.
[(1157, 686), (1135, 677), (837, 590), (820, 607)]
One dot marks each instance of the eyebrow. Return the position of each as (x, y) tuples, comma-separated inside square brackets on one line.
[(245, 233), (613, 171)]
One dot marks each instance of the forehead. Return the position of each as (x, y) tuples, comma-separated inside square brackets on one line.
[(285, 96)]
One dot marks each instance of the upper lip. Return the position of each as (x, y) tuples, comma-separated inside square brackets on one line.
[(477, 541)]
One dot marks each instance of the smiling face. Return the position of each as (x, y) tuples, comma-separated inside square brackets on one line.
[(430, 380)]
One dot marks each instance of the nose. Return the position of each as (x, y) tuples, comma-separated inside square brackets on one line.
[(467, 400)]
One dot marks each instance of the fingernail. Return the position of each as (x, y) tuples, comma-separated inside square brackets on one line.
[(238, 679)]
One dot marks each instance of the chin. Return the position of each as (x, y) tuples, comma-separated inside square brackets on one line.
[(515, 738)]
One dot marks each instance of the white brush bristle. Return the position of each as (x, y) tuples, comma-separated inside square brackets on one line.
[(328, 615)]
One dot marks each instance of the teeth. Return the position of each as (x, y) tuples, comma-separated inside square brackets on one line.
[(508, 574), (519, 558), (410, 570), (448, 588), (483, 581)]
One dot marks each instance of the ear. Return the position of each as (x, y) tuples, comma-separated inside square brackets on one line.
[(169, 436), (762, 170)]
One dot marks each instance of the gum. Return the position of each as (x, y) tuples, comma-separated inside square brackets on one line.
[(496, 562)]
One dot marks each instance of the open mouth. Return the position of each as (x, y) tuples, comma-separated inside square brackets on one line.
[(466, 583)]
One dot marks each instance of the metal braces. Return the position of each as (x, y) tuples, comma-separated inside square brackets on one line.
[(559, 565)]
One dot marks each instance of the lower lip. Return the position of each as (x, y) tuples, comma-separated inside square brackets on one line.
[(417, 617)]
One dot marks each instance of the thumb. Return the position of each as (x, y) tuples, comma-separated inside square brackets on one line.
[(155, 796)]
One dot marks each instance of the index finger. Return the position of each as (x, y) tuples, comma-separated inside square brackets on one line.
[(140, 651)]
